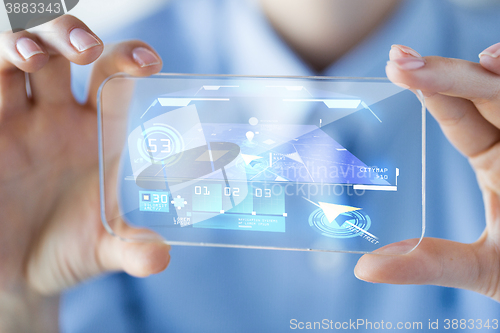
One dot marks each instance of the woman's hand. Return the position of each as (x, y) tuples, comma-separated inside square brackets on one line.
[(464, 97), (51, 235)]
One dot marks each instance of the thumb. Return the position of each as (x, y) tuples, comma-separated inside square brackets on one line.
[(435, 261), (140, 252)]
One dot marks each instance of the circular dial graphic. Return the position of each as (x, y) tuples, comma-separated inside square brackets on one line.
[(345, 225), (159, 142)]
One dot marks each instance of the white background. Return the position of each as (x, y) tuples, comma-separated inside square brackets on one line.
[(101, 15)]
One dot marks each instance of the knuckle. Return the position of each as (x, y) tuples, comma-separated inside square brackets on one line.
[(488, 277), (450, 66)]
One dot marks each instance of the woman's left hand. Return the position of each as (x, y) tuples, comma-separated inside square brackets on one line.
[(464, 97)]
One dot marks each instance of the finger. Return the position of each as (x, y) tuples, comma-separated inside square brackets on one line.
[(13, 95), (22, 50), (459, 118), (59, 262), (71, 38), (19, 53), (451, 77), (490, 58), (68, 40), (133, 57), (462, 124), (401, 51), (435, 261), (52, 84), (147, 254)]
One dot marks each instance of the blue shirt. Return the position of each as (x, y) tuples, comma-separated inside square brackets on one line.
[(238, 290)]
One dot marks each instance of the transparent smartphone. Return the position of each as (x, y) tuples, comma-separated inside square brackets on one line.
[(296, 163)]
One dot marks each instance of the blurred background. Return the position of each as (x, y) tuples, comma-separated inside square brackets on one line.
[(111, 15), (235, 290)]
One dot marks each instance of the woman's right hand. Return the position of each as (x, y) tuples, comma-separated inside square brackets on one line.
[(51, 235)]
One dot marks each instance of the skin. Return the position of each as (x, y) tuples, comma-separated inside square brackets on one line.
[(321, 31), (51, 233), (464, 98)]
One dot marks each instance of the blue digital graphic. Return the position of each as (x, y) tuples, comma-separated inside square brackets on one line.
[(240, 222), (206, 159), (345, 225), (229, 175), (153, 201), (207, 198)]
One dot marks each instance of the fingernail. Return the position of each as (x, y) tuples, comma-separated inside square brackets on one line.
[(492, 51), (407, 64), (356, 274), (407, 50), (397, 248), (27, 48), (82, 40), (144, 57)]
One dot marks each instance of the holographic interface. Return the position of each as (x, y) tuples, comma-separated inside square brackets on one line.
[(290, 163)]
